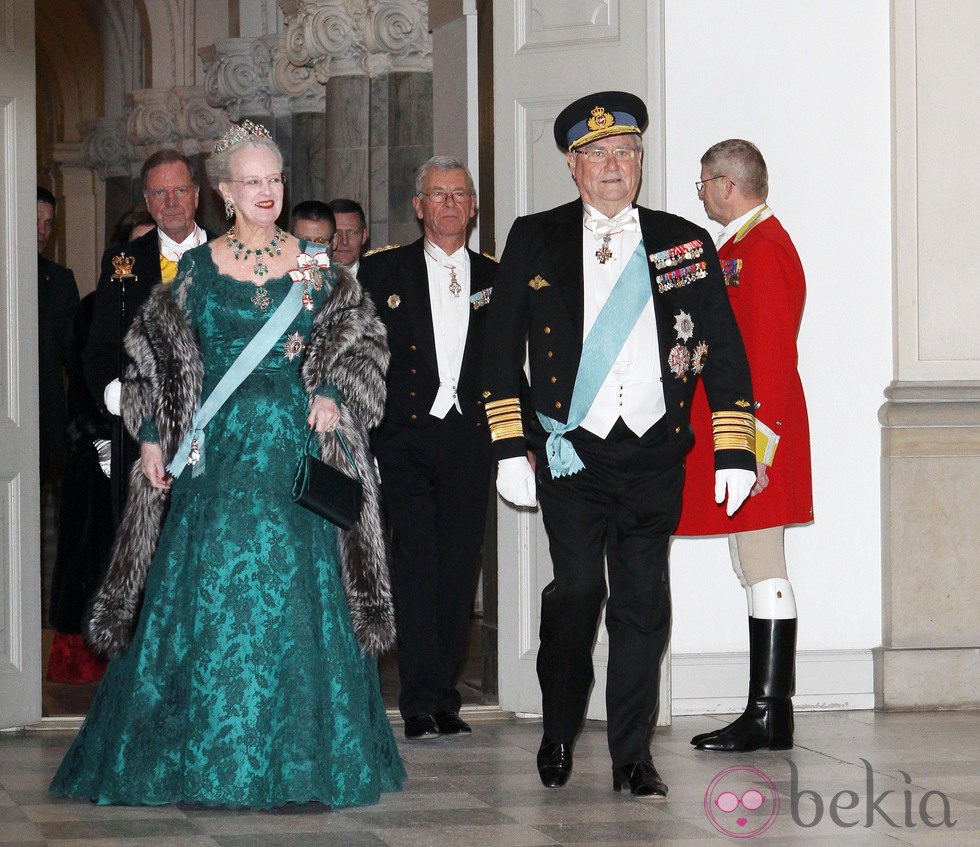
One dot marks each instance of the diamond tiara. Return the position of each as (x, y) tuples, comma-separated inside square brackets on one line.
[(239, 132)]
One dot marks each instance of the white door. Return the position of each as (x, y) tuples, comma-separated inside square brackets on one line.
[(546, 54), (20, 590)]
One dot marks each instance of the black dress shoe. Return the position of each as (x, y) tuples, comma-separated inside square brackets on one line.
[(450, 723), (421, 726), (642, 779), (554, 763)]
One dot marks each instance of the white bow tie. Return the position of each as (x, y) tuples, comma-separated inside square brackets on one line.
[(626, 221)]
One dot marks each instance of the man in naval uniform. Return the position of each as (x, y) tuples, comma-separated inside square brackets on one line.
[(620, 310), (433, 448), (170, 190)]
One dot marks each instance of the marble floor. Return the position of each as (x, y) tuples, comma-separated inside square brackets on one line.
[(860, 778)]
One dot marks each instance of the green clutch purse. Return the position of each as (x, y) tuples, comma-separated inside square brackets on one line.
[(327, 491)]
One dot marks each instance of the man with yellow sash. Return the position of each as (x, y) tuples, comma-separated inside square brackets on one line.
[(619, 310), (170, 190)]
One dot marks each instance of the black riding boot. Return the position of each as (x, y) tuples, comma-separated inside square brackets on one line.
[(767, 721)]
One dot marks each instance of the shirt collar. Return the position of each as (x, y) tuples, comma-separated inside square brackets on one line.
[(440, 255), (628, 213), (173, 250), (735, 225)]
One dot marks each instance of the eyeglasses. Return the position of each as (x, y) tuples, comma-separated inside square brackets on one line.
[(440, 196), (699, 185), (252, 183), (598, 155)]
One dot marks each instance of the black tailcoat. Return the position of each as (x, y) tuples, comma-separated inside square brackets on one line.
[(85, 526), (103, 359), (435, 475), (101, 356)]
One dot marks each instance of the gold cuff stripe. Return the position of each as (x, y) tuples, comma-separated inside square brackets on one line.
[(733, 431), (504, 417), (502, 433), (507, 403)]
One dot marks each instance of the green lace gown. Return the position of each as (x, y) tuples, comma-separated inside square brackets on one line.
[(243, 686)]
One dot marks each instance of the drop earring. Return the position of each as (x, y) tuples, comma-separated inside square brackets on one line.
[(229, 208)]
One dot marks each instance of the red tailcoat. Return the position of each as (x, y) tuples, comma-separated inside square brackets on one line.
[(767, 295)]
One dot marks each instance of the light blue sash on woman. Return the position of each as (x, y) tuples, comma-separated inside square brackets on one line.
[(612, 327)]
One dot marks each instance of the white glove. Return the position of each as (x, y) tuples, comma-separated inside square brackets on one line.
[(738, 482), (515, 481), (111, 397)]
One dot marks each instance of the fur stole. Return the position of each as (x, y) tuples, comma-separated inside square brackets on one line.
[(347, 349)]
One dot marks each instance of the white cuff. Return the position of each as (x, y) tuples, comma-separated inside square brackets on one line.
[(773, 599), (112, 396)]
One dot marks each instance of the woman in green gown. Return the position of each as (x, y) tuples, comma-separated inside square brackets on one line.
[(248, 680)]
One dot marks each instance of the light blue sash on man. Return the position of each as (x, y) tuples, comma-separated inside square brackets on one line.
[(253, 353), (612, 327)]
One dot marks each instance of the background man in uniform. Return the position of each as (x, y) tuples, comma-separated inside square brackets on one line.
[(352, 232), (767, 289), (620, 310), (170, 190), (57, 302), (313, 220), (432, 447)]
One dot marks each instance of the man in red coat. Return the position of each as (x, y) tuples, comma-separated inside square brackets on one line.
[(765, 284)]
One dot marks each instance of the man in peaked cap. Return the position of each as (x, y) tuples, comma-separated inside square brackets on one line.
[(620, 310)]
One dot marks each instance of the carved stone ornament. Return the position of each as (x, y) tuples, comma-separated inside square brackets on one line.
[(178, 117), (254, 77), (175, 117), (352, 37), (152, 118), (106, 148)]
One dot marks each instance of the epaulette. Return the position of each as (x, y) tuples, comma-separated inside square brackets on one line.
[(491, 257), (380, 249)]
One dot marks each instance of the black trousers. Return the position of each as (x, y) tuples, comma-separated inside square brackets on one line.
[(617, 514), (435, 481)]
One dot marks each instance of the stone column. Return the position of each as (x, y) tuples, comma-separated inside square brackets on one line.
[(931, 418), (82, 192), (930, 582), (374, 60)]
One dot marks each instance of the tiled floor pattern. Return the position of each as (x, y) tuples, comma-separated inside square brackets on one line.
[(483, 791)]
